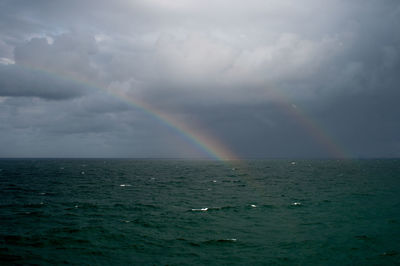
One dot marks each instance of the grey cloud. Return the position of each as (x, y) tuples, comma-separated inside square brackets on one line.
[(51, 71), (70, 54), (21, 82), (305, 62)]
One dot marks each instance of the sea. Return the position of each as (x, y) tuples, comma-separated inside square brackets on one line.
[(199, 212)]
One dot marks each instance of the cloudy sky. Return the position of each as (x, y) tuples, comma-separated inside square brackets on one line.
[(262, 78)]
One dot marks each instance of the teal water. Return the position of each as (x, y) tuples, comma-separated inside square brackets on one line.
[(177, 212)]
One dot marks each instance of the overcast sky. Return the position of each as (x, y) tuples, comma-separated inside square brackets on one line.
[(265, 78)]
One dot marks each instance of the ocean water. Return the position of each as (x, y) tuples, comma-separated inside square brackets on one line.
[(179, 212)]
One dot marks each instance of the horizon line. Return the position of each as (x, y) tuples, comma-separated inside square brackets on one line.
[(205, 158)]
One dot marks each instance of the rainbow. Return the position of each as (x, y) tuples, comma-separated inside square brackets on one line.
[(215, 149), (311, 126), (212, 147)]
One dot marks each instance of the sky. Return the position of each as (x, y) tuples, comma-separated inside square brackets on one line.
[(200, 79)]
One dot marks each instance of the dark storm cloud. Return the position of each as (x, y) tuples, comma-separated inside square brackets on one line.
[(69, 54), (224, 70), (21, 82), (52, 71)]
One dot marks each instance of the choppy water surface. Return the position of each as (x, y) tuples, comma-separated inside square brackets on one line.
[(153, 212)]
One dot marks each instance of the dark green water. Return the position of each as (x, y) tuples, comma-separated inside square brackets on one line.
[(152, 212)]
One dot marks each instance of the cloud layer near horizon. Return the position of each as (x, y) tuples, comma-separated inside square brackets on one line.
[(244, 72)]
